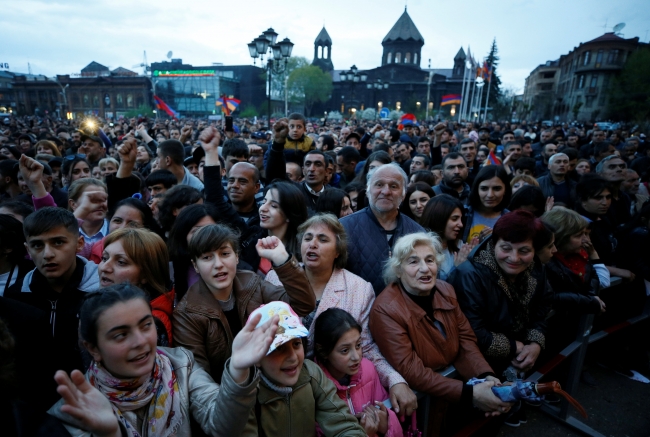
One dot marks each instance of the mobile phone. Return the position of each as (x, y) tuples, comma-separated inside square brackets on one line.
[(111, 124), (229, 127)]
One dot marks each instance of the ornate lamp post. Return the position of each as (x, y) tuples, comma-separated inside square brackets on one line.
[(277, 56), (353, 77)]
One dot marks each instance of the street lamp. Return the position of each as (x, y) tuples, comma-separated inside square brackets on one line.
[(277, 56), (63, 93), (353, 76)]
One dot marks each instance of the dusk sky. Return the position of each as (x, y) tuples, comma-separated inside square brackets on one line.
[(61, 37)]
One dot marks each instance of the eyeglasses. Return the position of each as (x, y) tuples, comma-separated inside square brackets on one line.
[(73, 157)]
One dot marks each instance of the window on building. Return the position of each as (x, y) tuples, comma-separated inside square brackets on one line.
[(590, 101), (415, 58), (587, 58), (398, 57), (581, 81), (602, 99), (398, 105), (119, 99), (548, 75), (407, 58), (545, 86), (86, 99), (129, 100), (95, 101), (430, 106), (75, 99), (599, 58), (594, 81), (139, 100), (613, 56), (389, 58)]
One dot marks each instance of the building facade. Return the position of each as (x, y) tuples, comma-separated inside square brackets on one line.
[(540, 90), (581, 81), (398, 83), (96, 91), (194, 91)]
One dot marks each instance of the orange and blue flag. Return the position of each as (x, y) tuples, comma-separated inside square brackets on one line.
[(492, 159), (227, 104), (450, 99), (486, 72), (165, 107)]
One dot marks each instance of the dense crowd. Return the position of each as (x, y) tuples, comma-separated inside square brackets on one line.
[(165, 277)]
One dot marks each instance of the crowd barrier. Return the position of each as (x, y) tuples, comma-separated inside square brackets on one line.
[(575, 352)]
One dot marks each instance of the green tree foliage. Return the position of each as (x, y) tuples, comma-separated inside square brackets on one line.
[(309, 85), (495, 82), (143, 110), (278, 80), (249, 111), (629, 93)]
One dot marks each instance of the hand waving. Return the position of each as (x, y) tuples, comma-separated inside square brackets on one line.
[(251, 345), (86, 404)]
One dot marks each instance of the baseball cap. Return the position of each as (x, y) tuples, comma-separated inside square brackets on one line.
[(289, 326)]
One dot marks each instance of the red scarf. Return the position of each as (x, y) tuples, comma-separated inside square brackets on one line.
[(576, 262)]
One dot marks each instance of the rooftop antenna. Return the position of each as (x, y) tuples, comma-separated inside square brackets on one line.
[(144, 64), (429, 63), (617, 29), (29, 68), (605, 26)]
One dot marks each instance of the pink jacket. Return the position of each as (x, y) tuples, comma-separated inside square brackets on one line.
[(365, 389), (349, 292)]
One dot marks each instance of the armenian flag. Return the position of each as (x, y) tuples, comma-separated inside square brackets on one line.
[(227, 104), (486, 72), (165, 107), (492, 159), (450, 99)]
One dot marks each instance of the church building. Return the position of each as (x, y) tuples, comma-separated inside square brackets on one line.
[(398, 83)]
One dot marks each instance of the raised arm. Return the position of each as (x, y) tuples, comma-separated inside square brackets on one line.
[(276, 167)]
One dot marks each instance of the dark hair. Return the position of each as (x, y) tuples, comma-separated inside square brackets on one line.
[(380, 156), (544, 236), (424, 139), (517, 227), (349, 154), (9, 168), (571, 152), (17, 207), (485, 174), (510, 144), (467, 141), (292, 203), (381, 147), (423, 176), (600, 148), (213, 237), (404, 207), (160, 176), (451, 155), (394, 135), (591, 185), (69, 165), (530, 196), (12, 237), (329, 327), (186, 220), (328, 141), (300, 117), (234, 147), (145, 212), (176, 198), (14, 151), (525, 163), (427, 160), (326, 158), (97, 302), (173, 149), (436, 215), (330, 201), (46, 219)]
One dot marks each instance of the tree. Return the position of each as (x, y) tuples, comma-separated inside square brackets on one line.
[(502, 109), (277, 80), (142, 110), (495, 83), (249, 111), (576, 109), (309, 85), (629, 93)]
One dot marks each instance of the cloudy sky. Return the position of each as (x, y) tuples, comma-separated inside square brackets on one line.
[(61, 37)]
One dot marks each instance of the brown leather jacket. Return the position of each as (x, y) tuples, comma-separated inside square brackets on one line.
[(201, 326), (412, 344)]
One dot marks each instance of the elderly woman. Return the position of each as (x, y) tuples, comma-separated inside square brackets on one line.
[(503, 292), (419, 327), (323, 248)]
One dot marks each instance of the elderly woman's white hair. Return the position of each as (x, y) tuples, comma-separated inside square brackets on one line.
[(403, 248)]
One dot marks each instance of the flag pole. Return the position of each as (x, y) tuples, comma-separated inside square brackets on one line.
[(487, 100), (463, 92), (480, 100)]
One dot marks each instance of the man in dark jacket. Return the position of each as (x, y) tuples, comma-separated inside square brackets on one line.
[(373, 231), (454, 175), (555, 184)]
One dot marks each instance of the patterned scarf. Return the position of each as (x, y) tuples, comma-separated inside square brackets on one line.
[(576, 262), (159, 391)]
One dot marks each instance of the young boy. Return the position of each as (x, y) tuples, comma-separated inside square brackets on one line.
[(60, 280), (291, 133)]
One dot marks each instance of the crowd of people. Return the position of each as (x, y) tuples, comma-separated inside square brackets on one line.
[(166, 277)]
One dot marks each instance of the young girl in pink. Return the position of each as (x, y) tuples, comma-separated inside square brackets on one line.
[(337, 347)]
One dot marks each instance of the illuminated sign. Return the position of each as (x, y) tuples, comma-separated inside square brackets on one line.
[(183, 73)]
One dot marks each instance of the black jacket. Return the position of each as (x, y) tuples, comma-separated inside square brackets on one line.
[(442, 188), (571, 294), (548, 187), (492, 314)]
